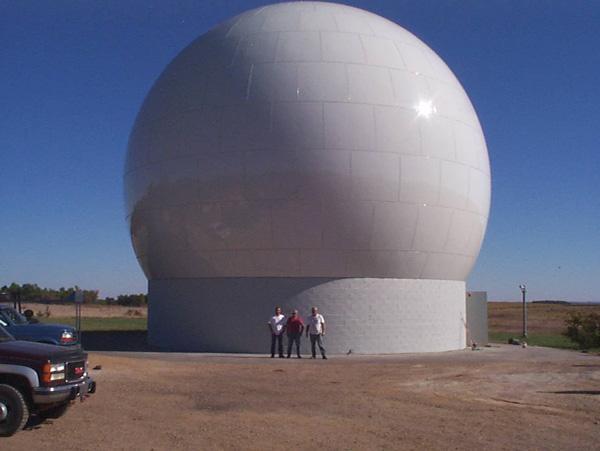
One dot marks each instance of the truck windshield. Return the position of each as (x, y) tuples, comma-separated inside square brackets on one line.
[(12, 316), (5, 336)]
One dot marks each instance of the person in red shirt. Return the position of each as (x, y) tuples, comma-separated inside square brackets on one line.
[(294, 328)]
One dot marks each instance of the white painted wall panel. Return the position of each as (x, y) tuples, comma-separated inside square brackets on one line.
[(395, 131), (419, 179), (322, 82), (375, 176), (370, 84), (342, 47), (349, 126)]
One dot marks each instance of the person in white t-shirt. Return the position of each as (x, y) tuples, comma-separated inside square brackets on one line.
[(315, 327), (276, 326)]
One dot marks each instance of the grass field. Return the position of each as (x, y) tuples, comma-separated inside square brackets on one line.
[(102, 324), (548, 340), (546, 322)]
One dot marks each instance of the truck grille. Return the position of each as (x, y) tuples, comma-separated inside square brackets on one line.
[(75, 370)]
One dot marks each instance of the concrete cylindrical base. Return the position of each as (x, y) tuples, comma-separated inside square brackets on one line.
[(368, 316)]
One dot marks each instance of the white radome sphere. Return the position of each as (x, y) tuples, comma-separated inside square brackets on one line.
[(307, 140)]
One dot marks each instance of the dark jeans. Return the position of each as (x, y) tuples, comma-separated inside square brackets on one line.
[(279, 340), (316, 339), (291, 339)]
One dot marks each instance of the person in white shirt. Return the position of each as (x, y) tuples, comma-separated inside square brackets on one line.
[(316, 329), (276, 326)]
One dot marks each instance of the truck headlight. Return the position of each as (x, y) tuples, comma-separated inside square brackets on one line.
[(67, 337), (53, 372), (57, 367)]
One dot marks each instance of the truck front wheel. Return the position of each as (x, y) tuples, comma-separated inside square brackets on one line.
[(13, 410)]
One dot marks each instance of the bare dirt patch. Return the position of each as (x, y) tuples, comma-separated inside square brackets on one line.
[(497, 398)]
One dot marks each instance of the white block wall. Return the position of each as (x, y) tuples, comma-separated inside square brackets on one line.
[(365, 315)]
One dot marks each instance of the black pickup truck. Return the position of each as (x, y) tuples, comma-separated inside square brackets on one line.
[(38, 378)]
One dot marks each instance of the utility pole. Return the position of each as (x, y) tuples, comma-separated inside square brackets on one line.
[(523, 288)]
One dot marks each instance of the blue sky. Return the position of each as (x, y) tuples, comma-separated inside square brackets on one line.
[(74, 75)]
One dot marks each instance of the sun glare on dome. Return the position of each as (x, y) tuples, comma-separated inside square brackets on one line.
[(425, 108)]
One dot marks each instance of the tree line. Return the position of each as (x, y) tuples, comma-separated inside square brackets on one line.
[(32, 292)]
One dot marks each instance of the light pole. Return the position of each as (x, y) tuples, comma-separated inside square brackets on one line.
[(523, 288)]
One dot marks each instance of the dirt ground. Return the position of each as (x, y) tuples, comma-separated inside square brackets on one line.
[(503, 397)]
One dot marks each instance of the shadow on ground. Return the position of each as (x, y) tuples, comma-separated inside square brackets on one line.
[(130, 340), (35, 422), (574, 392)]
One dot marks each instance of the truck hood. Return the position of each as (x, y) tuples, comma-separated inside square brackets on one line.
[(44, 328), (39, 331), (28, 350)]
